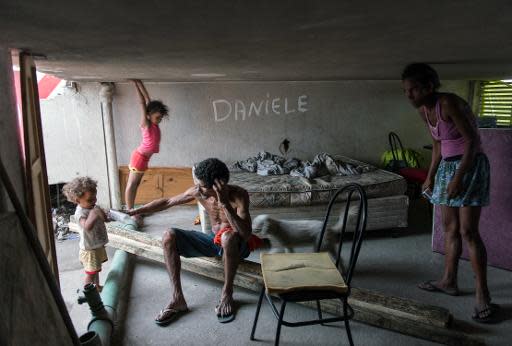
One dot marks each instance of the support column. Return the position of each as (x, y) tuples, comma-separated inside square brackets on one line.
[(106, 97)]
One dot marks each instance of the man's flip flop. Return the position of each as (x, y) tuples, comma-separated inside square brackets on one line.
[(430, 287), (485, 315), (171, 315), (226, 318)]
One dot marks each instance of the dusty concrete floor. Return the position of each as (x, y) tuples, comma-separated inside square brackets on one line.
[(393, 265)]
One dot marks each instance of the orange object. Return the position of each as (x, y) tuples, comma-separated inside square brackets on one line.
[(253, 243)]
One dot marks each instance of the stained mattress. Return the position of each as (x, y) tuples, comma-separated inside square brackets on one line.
[(289, 191)]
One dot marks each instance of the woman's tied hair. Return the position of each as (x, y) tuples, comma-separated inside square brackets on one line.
[(423, 74), (77, 187)]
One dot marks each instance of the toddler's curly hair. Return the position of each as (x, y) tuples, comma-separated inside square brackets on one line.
[(77, 187)]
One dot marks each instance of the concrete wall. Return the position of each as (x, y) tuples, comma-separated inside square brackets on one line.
[(10, 151), (73, 137), (351, 118)]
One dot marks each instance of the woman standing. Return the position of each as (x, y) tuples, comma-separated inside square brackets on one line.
[(458, 180)]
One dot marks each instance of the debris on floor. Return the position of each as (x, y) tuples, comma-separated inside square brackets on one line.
[(61, 211), (60, 219)]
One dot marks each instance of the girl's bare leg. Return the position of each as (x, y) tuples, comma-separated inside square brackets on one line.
[(132, 185), (89, 279), (97, 282)]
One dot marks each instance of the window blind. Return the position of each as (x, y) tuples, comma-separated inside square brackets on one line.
[(496, 101)]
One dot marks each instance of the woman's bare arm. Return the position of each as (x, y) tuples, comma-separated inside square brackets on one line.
[(434, 163), (435, 159), (455, 109)]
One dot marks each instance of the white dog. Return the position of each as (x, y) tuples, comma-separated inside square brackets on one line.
[(286, 234)]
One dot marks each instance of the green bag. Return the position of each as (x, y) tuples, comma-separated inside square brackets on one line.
[(407, 158)]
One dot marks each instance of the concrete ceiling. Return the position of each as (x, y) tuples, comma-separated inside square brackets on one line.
[(260, 40)]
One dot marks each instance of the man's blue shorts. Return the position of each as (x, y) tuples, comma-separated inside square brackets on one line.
[(198, 244)]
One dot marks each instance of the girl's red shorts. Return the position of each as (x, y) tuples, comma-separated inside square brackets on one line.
[(138, 162)]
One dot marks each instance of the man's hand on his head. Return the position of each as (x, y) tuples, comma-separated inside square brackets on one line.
[(222, 191)]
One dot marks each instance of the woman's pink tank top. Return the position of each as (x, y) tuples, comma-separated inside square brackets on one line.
[(452, 142), (150, 140)]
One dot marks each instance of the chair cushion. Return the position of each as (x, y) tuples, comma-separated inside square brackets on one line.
[(415, 175), (291, 272)]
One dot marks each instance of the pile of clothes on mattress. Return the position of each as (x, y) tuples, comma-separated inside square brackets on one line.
[(323, 164)]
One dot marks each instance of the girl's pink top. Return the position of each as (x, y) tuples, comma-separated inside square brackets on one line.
[(452, 142), (150, 140)]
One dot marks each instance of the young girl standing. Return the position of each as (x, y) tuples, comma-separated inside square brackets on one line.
[(152, 113)]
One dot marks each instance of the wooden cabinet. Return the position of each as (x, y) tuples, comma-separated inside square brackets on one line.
[(176, 181), (158, 182)]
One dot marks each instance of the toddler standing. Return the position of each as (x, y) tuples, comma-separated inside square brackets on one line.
[(91, 220)]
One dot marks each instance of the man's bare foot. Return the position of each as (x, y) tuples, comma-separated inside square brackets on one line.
[(225, 306), (224, 310)]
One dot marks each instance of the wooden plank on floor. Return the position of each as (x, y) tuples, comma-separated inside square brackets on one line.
[(361, 298), (398, 314)]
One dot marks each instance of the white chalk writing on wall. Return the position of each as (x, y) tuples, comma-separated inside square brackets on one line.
[(240, 110)]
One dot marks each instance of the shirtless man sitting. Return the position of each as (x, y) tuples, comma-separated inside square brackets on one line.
[(228, 208)]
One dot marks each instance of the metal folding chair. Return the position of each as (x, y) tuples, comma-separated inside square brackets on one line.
[(298, 277)]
